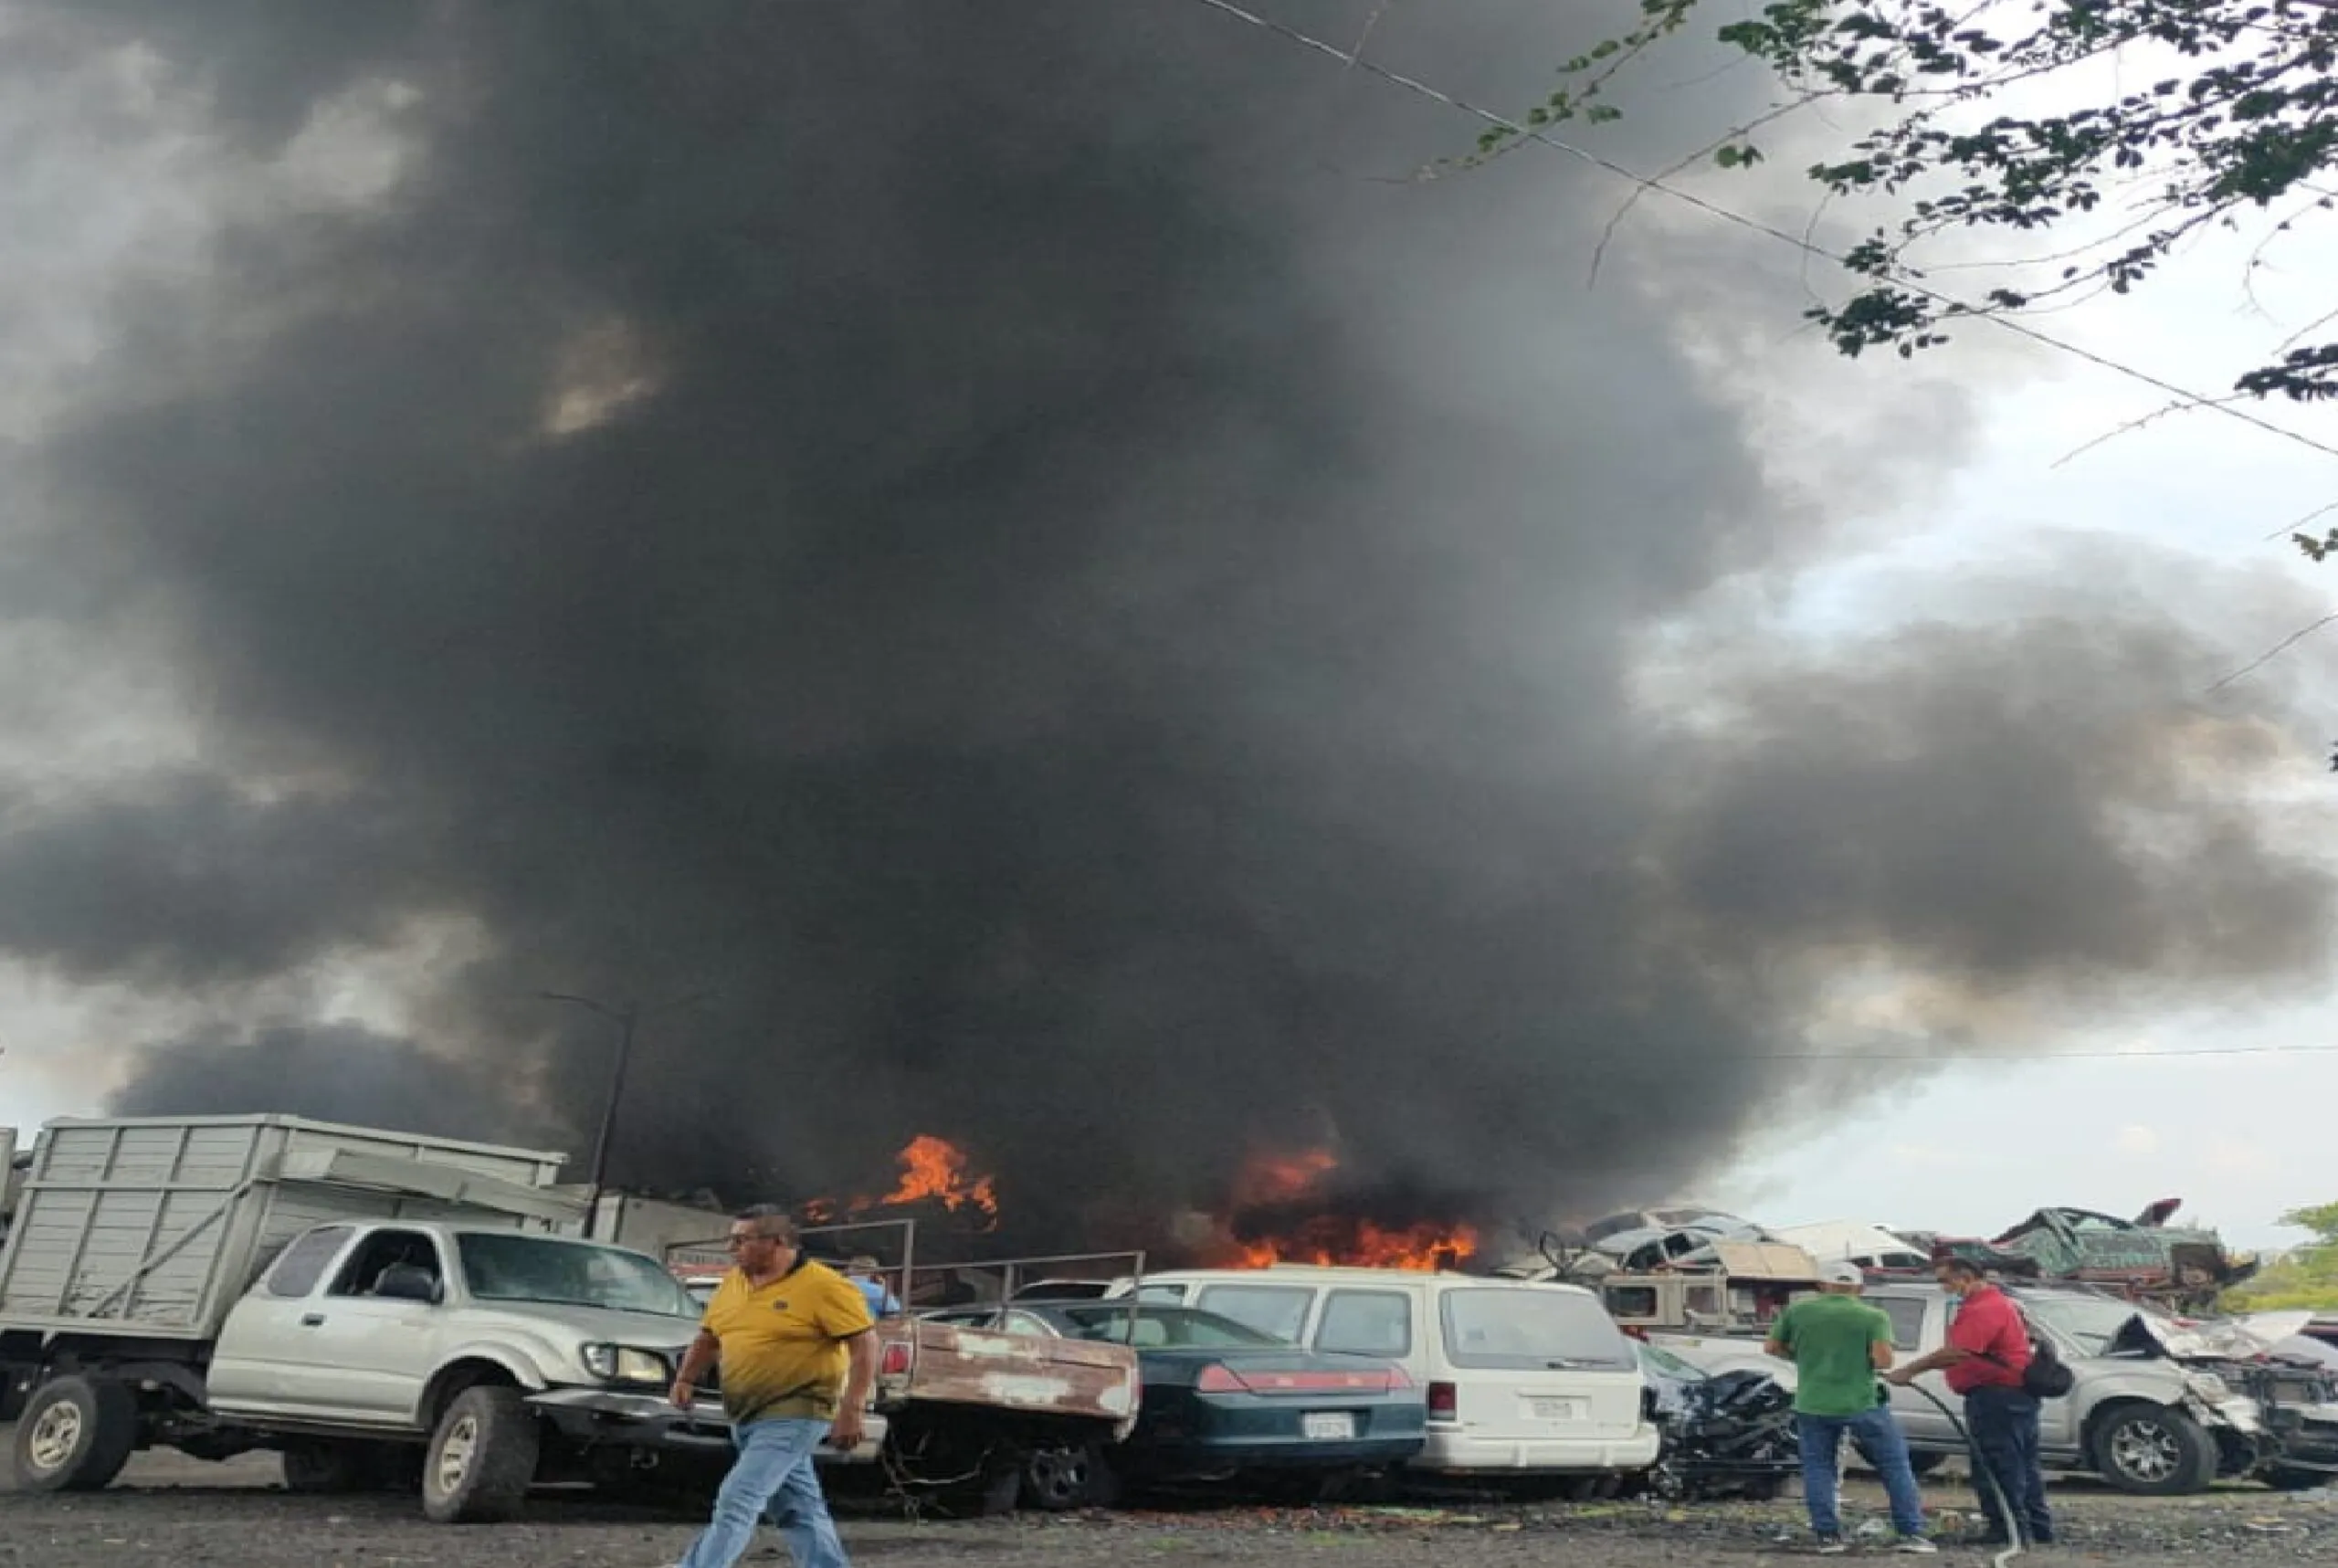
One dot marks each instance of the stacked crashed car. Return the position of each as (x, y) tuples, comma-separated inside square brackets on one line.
[(1223, 1403)]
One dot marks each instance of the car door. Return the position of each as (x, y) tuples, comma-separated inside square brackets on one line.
[(266, 1361), (1919, 1326), (379, 1347)]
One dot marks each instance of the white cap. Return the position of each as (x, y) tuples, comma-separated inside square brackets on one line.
[(1843, 1273)]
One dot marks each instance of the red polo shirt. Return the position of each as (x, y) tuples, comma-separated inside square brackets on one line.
[(1988, 1324)]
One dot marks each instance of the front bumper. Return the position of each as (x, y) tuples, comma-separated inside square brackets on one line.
[(1451, 1452), (2306, 1437), (606, 1418)]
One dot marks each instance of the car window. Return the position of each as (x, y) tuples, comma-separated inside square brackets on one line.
[(303, 1263), (1169, 1295), (1366, 1322), (2089, 1323), (381, 1252), (1277, 1310), (1907, 1315), (1025, 1323), (1529, 1329)]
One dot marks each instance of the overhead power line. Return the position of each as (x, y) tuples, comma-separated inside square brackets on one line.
[(1356, 61)]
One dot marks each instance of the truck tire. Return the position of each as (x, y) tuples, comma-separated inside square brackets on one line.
[(319, 1466), (482, 1457), (2151, 1450), (1925, 1464), (75, 1435)]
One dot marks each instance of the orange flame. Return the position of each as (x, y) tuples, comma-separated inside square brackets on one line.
[(936, 1169), (1331, 1240), (1281, 1180), (933, 1169)]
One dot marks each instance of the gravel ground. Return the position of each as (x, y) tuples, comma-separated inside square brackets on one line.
[(169, 1510)]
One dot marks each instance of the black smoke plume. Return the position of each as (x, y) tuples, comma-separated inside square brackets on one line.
[(996, 541)]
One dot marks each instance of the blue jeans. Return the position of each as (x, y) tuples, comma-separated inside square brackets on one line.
[(774, 1471), (2003, 1424), (1881, 1442)]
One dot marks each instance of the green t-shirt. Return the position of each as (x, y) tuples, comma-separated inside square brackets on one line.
[(1827, 1338)]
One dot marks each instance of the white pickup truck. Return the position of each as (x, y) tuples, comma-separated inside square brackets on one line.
[(384, 1310)]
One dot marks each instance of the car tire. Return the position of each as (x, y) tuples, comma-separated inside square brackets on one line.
[(2150, 1450), (1060, 1477), (481, 1459), (75, 1433)]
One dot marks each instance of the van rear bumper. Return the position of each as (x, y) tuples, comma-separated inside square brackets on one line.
[(1451, 1452)]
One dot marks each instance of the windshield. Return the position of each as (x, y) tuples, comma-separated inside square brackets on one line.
[(1173, 1327), (2087, 1323), (1670, 1366), (1533, 1328), (569, 1274)]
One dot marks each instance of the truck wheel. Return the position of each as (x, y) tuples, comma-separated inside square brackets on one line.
[(2152, 1451), (1925, 1464), (75, 1435), (321, 1465), (481, 1459)]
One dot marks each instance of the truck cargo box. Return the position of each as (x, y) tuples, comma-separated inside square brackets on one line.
[(153, 1226)]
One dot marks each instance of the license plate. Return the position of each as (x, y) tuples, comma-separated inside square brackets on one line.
[(1555, 1409), (1328, 1425)]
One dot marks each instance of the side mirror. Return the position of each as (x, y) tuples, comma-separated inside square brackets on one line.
[(408, 1282)]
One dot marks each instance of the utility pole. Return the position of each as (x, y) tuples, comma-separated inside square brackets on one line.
[(625, 1017)]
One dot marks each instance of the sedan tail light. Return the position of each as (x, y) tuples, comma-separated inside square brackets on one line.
[(1218, 1378)]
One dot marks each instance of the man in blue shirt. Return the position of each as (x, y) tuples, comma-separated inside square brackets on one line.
[(862, 1271)]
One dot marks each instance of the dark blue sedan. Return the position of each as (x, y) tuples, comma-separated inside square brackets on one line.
[(1222, 1401)]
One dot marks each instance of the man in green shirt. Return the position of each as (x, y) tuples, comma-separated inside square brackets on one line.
[(1839, 1345)]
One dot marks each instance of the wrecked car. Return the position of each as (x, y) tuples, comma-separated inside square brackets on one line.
[(2182, 1268), (1646, 1239), (1222, 1400), (2159, 1407), (1728, 1433)]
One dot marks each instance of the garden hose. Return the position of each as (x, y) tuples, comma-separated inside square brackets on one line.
[(2013, 1527)]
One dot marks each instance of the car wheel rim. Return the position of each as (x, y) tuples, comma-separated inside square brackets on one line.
[(454, 1451), (2146, 1450), (1058, 1475), (55, 1437)]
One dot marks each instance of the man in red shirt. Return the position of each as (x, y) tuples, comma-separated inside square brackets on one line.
[(1987, 1350)]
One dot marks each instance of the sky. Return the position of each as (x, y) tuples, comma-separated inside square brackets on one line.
[(1964, 502)]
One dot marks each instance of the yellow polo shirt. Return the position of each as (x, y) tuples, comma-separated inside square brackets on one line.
[(783, 1345)]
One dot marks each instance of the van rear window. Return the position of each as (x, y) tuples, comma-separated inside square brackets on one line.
[(1532, 1330)]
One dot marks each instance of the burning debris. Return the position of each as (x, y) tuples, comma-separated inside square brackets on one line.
[(934, 1172), (1288, 1208)]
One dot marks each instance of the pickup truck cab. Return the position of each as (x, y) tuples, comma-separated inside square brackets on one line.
[(495, 1357)]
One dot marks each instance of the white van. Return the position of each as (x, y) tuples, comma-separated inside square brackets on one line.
[(1523, 1377)]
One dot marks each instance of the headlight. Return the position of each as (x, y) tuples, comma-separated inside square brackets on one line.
[(2206, 1387), (622, 1364)]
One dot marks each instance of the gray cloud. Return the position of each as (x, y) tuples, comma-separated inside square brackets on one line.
[(1102, 632)]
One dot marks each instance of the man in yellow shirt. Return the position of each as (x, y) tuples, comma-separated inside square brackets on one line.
[(797, 1357)]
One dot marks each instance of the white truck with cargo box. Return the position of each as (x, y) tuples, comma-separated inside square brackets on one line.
[(383, 1309)]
